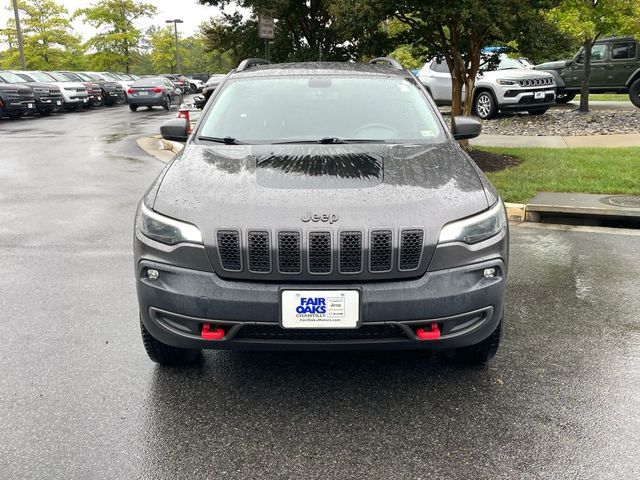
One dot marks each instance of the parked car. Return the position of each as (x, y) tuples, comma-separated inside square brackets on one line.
[(47, 97), (615, 68), (124, 83), (94, 91), (179, 80), (210, 87), (302, 215), (16, 100), (154, 92), (74, 94), (195, 85), (203, 77), (112, 92), (509, 87)]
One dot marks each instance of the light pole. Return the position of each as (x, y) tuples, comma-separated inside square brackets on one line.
[(175, 30), (19, 32)]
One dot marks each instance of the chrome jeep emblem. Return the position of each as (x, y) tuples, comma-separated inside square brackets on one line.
[(320, 217)]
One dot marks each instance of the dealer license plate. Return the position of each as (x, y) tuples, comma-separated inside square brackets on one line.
[(320, 308), (538, 95)]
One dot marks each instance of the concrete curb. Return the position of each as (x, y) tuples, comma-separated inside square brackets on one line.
[(516, 212), (158, 148), (174, 147), (556, 141)]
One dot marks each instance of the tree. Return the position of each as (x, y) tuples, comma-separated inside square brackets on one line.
[(305, 30), (163, 49), (457, 31), (586, 20), (117, 42), (49, 40)]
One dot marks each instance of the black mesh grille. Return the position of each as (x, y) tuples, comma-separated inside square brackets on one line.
[(259, 252), (289, 252), (410, 249), (229, 249), (380, 251), (319, 252), (350, 252), (365, 332)]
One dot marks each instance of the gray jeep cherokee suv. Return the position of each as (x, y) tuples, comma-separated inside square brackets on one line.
[(320, 206)]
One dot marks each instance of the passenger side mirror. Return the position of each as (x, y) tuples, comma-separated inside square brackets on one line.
[(465, 127), (175, 130), (177, 91)]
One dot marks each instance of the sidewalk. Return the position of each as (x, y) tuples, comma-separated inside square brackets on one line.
[(600, 141)]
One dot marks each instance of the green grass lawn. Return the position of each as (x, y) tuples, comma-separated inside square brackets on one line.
[(608, 97), (585, 170)]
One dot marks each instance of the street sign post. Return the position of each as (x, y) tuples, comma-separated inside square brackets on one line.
[(266, 31)]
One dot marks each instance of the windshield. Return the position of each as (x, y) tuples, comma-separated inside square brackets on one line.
[(148, 82), (110, 76), (11, 77), (300, 109), (72, 76), (504, 63), (58, 76), (41, 77), (84, 76)]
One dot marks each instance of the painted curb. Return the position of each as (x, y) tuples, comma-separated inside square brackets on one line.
[(516, 212), (174, 147)]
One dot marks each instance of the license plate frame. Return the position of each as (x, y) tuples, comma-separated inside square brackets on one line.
[(352, 299)]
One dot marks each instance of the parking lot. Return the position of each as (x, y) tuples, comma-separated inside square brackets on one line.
[(80, 399)]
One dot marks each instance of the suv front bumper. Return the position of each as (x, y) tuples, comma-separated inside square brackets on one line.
[(465, 305), (525, 99)]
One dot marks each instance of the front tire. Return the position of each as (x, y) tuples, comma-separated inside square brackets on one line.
[(565, 97), (167, 355), (634, 93), (480, 353), (540, 111), (485, 105), (133, 108)]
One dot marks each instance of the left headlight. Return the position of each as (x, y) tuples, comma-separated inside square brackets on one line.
[(477, 228), (507, 82), (166, 230)]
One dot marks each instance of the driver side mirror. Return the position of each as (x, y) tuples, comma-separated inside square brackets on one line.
[(177, 91), (465, 127), (175, 130)]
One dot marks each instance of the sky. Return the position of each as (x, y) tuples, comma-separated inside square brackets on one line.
[(190, 11)]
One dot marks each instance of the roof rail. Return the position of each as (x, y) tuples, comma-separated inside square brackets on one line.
[(392, 62), (251, 62)]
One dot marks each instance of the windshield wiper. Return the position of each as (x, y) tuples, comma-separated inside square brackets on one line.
[(225, 140), (331, 141)]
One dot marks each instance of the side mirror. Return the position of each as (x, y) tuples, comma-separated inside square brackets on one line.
[(175, 130), (465, 127), (177, 91), (568, 63)]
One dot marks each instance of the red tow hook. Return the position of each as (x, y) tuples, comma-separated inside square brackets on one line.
[(208, 333), (424, 334)]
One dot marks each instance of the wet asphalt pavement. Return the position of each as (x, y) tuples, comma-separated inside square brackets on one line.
[(79, 399)]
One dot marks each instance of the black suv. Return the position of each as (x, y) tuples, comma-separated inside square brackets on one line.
[(615, 68), (16, 100), (48, 98), (321, 206)]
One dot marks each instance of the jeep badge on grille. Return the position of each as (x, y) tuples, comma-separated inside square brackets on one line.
[(324, 217)]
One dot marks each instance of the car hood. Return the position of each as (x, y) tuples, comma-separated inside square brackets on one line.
[(51, 86), (515, 74), (363, 185), (558, 65)]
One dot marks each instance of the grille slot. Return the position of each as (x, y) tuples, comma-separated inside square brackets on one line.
[(365, 332), (259, 252), (410, 249), (229, 250), (289, 252), (350, 252), (320, 252), (381, 245)]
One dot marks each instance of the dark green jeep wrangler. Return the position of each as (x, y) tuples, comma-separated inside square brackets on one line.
[(615, 68)]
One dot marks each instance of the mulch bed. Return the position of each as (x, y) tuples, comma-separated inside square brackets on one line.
[(492, 162)]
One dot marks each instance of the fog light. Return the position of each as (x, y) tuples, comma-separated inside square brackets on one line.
[(153, 274), (489, 272)]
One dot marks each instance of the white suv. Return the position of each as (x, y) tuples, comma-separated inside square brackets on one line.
[(510, 87)]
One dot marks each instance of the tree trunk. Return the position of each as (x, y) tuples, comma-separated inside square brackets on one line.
[(586, 74), (456, 97), (468, 96)]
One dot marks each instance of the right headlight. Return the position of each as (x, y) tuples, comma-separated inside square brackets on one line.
[(166, 230), (477, 228)]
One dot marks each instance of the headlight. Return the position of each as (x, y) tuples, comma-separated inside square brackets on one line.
[(166, 230), (507, 82), (477, 228), (40, 90)]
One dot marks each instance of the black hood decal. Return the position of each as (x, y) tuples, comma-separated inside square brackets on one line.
[(319, 166)]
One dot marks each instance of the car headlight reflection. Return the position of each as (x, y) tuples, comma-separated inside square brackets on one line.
[(477, 228), (166, 230)]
